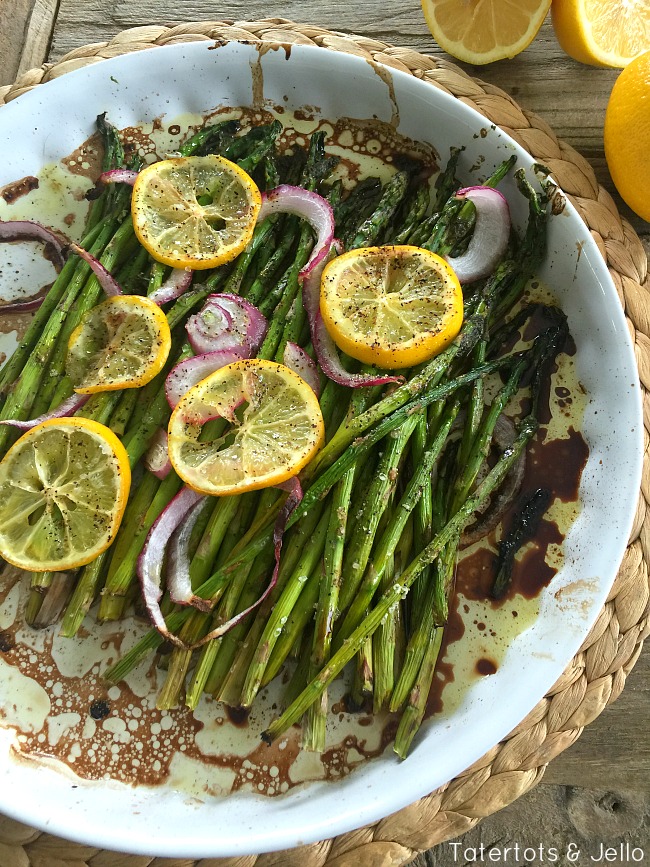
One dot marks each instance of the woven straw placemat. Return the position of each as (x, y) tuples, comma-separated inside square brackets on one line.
[(597, 674)]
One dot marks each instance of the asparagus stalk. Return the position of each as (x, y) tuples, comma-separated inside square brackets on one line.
[(314, 723), (391, 198), (283, 607), (398, 591), (381, 489), (119, 583), (414, 711), (39, 586), (20, 400), (391, 536)]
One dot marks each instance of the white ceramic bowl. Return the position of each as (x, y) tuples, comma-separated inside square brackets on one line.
[(50, 122)]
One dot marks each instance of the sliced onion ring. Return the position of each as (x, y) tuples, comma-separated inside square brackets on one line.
[(296, 359), (114, 176), (191, 371), (28, 230), (179, 583), (27, 306), (318, 212), (490, 238), (156, 459), (175, 285), (294, 489), (106, 280), (118, 176), (67, 408), (150, 561), (326, 350), (225, 322)]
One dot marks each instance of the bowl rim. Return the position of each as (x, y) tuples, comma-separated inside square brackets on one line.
[(59, 821)]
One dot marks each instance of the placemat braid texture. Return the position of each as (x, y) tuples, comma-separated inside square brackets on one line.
[(597, 674)]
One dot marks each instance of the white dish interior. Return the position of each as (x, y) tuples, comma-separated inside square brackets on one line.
[(51, 121)]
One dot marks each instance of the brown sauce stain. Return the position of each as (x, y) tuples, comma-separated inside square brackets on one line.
[(86, 160), (18, 322), (387, 77), (12, 192), (454, 631), (263, 764), (554, 464), (558, 465), (485, 667), (257, 82), (238, 716)]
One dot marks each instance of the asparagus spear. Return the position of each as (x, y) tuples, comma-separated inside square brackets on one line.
[(391, 198), (398, 591), (389, 540), (24, 390), (314, 723), (283, 607)]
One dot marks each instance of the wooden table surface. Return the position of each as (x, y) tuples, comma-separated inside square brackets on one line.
[(598, 787)]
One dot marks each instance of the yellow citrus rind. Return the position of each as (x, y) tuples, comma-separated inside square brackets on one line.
[(392, 306), (123, 342), (604, 33), (64, 486), (482, 31), (194, 212), (627, 135), (275, 428)]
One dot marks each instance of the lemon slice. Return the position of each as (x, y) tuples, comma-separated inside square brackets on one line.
[(481, 31), (391, 307), (194, 212), (121, 343), (63, 489), (276, 428), (602, 32)]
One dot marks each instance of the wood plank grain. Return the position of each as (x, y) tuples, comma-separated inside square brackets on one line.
[(549, 819), (14, 19), (38, 34), (614, 750)]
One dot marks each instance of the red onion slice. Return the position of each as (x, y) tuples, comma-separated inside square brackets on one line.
[(179, 583), (24, 306), (118, 176), (179, 281), (326, 350), (63, 410), (106, 280), (294, 488), (311, 207), (114, 176), (491, 234), (156, 459), (225, 322), (28, 230), (150, 561), (296, 359), (191, 371)]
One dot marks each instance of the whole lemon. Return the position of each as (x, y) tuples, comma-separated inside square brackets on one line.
[(627, 135)]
